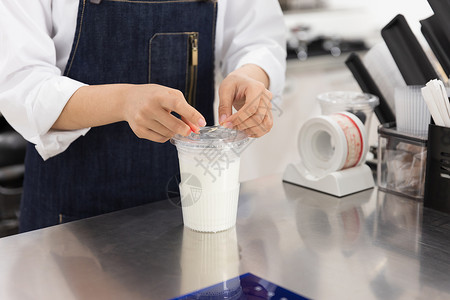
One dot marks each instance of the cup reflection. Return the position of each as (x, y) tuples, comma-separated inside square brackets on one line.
[(208, 259)]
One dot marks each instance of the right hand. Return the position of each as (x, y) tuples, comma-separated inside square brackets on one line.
[(148, 107)]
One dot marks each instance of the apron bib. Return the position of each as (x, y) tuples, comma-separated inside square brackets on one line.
[(123, 41)]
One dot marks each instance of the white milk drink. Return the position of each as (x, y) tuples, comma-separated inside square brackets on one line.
[(209, 167)]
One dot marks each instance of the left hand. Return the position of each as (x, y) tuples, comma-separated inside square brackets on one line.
[(245, 89)]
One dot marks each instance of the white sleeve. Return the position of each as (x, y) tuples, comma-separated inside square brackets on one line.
[(253, 32), (32, 90)]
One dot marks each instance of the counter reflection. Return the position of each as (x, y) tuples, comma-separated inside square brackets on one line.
[(326, 223), (398, 223)]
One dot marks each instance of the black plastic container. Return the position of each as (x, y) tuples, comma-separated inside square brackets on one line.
[(434, 33), (368, 85), (409, 56), (437, 180), (441, 9)]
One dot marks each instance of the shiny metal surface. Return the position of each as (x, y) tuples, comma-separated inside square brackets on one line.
[(369, 245)]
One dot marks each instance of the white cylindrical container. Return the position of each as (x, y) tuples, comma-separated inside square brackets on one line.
[(209, 169), (331, 143)]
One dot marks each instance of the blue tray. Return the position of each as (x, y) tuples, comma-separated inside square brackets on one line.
[(246, 286)]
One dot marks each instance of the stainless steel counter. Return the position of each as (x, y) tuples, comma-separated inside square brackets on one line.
[(369, 245)]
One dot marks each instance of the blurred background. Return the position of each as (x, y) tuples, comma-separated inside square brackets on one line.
[(320, 36)]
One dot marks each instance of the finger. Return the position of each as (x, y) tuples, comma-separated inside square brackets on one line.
[(256, 119), (145, 133), (155, 125), (160, 129), (178, 104), (192, 126), (261, 129), (256, 103), (249, 109), (172, 123), (227, 91)]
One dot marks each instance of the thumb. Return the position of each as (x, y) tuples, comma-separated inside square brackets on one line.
[(226, 97)]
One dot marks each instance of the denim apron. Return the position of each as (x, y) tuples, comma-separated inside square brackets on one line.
[(167, 42)]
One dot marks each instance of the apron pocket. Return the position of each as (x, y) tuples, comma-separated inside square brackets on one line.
[(173, 61)]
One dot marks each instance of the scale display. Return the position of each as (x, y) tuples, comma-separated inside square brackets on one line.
[(244, 287)]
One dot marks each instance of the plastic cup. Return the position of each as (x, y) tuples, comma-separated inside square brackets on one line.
[(209, 169), (359, 104), (411, 111)]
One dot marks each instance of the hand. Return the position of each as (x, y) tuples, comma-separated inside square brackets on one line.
[(148, 107), (245, 89)]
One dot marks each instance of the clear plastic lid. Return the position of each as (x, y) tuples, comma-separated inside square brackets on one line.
[(349, 98), (212, 137)]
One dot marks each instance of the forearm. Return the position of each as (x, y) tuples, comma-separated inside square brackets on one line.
[(146, 107), (92, 106)]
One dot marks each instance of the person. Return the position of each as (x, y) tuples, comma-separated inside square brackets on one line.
[(96, 86)]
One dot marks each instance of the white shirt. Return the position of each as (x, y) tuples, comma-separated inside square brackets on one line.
[(36, 38)]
